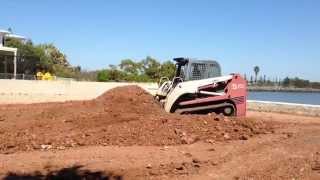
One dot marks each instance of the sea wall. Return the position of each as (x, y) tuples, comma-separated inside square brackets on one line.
[(280, 107)]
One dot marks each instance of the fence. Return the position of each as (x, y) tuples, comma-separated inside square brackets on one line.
[(18, 76), (30, 77)]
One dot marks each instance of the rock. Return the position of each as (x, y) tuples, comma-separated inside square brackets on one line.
[(226, 136), (74, 144), (187, 140), (66, 120), (184, 138), (85, 135), (61, 148), (196, 165), (195, 160), (244, 137), (211, 141), (179, 167), (46, 146), (214, 163), (205, 122), (165, 148), (219, 117), (164, 121), (104, 144), (149, 166), (180, 132)]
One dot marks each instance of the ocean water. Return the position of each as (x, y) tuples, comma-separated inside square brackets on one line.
[(289, 97)]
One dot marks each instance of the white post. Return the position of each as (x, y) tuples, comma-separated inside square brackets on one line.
[(15, 65), (1, 40)]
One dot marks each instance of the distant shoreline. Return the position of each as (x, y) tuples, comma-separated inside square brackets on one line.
[(282, 89)]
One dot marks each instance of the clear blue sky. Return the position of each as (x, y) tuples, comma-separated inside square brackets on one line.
[(280, 36)]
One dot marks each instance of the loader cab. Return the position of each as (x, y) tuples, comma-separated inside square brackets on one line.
[(192, 69)]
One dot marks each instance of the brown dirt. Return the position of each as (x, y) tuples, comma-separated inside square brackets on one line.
[(125, 134), (123, 116)]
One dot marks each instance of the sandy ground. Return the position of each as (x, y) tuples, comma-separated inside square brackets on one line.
[(39, 144)]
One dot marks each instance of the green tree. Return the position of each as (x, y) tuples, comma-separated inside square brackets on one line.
[(146, 70), (129, 66), (167, 69), (114, 74), (56, 56), (103, 76), (30, 54), (151, 67), (43, 56)]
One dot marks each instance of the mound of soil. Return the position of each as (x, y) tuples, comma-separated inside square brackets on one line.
[(123, 116)]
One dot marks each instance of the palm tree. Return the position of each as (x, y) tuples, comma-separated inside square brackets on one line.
[(256, 70)]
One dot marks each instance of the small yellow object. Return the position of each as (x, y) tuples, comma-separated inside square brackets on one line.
[(47, 76), (39, 75)]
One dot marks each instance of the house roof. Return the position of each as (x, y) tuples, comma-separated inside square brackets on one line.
[(4, 31), (16, 36)]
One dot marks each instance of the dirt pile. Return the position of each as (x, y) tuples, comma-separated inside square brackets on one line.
[(122, 116)]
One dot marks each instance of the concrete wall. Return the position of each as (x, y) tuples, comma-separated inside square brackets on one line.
[(26, 91)]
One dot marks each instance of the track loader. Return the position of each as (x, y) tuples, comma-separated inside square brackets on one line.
[(198, 87)]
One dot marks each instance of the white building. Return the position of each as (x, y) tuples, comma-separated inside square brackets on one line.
[(8, 51)]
